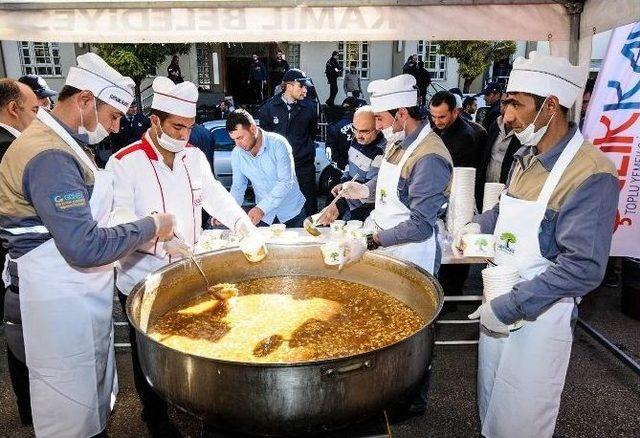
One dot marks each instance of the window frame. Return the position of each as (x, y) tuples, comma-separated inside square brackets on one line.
[(29, 54), (363, 56), (438, 67)]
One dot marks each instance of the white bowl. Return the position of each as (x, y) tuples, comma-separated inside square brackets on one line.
[(253, 249), (354, 224)]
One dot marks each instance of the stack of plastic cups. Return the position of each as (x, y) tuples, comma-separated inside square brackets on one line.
[(462, 199), (499, 280), (491, 197)]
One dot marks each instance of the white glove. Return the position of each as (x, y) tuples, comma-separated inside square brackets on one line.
[(244, 227), (489, 319), (177, 247), (355, 190), (353, 249), (456, 244)]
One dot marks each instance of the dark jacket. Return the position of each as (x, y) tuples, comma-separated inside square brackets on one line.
[(492, 114), (460, 140), (130, 131), (257, 71), (278, 69), (203, 139), (423, 78), (513, 147), (6, 138), (339, 136), (298, 126), (485, 159), (330, 70)]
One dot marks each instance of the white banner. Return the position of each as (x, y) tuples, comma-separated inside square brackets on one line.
[(612, 123)]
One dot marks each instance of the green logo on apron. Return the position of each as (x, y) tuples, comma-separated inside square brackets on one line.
[(383, 195), (508, 238)]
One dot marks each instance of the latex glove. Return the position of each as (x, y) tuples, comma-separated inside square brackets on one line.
[(456, 244), (177, 247), (354, 190), (165, 225), (353, 249), (489, 319), (244, 227)]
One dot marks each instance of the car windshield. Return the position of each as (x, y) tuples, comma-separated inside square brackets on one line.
[(223, 141)]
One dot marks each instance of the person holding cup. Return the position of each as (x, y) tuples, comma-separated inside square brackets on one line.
[(554, 224)]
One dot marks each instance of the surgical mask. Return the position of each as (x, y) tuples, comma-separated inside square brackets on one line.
[(98, 134), (393, 137), (169, 143), (529, 136)]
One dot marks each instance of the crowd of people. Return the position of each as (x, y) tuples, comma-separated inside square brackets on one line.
[(65, 221)]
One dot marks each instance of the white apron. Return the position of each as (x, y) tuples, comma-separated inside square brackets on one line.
[(67, 326), (390, 211), (520, 377)]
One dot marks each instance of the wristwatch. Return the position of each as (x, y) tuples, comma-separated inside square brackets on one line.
[(371, 244)]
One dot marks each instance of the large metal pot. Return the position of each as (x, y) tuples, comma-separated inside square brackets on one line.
[(296, 398)]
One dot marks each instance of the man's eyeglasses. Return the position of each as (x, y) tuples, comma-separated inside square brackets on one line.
[(363, 131)]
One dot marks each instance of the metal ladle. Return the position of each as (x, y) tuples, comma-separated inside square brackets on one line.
[(309, 223)]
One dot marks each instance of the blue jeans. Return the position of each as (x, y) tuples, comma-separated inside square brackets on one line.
[(294, 222)]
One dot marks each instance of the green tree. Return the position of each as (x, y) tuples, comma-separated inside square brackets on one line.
[(475, 57), (508, 238), (481, 243), (138, 60)]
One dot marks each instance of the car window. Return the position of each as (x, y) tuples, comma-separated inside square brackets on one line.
[(223, 141)]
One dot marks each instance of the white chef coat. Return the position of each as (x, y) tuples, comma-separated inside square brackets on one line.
[(145, 184)]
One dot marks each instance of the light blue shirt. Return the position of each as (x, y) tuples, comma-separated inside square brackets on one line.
[(272, 175)]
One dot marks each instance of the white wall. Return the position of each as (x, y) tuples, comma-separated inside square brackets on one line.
[(14, 69)]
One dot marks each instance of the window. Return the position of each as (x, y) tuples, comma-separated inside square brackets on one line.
[(433, 61), (41, 59), (357, 51), (293, 55), (203, 56)]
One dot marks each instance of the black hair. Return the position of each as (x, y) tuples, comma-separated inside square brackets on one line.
[(468, 101), (334, 53), (239, 117), (355, 93), (415, 113), (9, 91), (444, 97), (539, 101), (160, 114), (67, 92), (353, 64)]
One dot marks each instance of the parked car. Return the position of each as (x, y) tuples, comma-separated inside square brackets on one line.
[(325, 171)]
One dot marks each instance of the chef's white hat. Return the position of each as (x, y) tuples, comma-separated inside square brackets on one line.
[(544, 75), (106, 84), (397, 92), (179, 99)]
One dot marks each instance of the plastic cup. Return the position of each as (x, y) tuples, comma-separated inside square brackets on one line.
[(337, 226), (277, 229), (253, 248), (332, 253)]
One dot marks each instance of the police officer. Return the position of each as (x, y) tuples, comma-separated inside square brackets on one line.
[(294, 116)]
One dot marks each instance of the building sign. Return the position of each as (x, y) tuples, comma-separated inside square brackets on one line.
[(612, 123)]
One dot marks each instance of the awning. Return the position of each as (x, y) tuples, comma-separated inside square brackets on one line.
[(245, 21)]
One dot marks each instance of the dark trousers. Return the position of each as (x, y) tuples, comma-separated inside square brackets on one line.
[(452, 278), (294, 222), (306, 175), (154, 408), (19, 374), (257, 90), (333, 92), (423, 96)]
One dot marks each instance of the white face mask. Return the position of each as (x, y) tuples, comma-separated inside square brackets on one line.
[(393, 137), (169, 143), (529, 136), (98, 134)]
